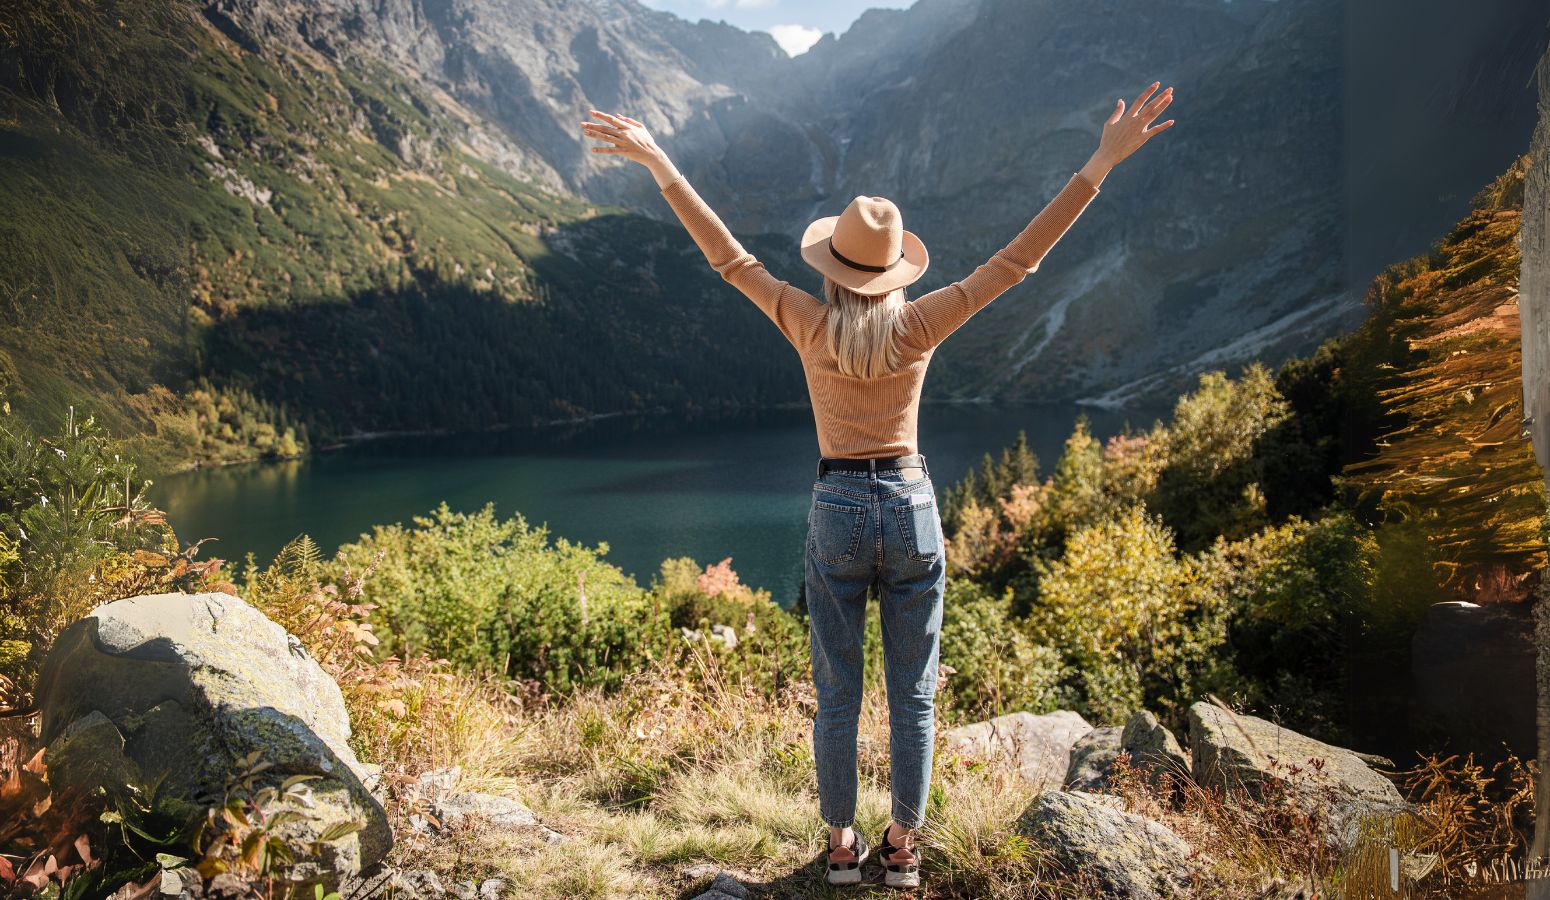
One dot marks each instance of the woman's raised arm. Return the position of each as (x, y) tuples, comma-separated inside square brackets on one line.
[(942, 311), (798, 314)]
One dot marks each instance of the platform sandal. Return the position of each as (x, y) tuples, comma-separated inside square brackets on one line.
[(849, 871), (898, 874)]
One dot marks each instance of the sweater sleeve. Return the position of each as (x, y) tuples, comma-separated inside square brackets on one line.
[(939, 313), (798, 314)]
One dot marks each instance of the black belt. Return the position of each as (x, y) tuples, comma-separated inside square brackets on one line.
[(866, 466)]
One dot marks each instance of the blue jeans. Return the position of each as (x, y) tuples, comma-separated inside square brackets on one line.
[(866, 530)]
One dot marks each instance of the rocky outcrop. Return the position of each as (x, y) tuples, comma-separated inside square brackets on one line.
[(181, 687), (1153, 748), (1113, 853), (1237, 752), (1091, 757), (1036, 747)]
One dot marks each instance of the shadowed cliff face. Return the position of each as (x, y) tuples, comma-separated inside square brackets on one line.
[(1226, 240)]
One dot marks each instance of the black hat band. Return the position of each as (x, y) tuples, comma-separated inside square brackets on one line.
[(863, 266)]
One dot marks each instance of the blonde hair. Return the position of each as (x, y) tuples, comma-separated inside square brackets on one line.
[(864, 330)]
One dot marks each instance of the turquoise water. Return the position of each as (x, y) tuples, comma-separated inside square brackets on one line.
[(651, 488)]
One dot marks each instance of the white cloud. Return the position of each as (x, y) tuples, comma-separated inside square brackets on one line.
[(795, 39), (754, 4)]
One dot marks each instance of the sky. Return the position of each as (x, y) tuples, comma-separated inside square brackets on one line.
[(795, 24)]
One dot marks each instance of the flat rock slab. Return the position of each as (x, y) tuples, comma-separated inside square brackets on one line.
[(502, 812), (1235, 751), (1117, 853), (1036, 747), (724, 887)]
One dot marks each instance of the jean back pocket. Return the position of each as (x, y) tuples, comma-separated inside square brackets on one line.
[(834, 531), (921, 526)]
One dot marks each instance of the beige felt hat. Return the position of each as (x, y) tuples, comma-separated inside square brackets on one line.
[(865, 248)]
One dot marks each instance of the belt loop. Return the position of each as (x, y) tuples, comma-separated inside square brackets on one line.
[(923, 466), (871, 465), (820, 468)]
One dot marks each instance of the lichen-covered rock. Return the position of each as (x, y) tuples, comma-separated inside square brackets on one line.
[(1091, 757), (183, 686), (503, 812), (1036, 747), (1115, 853), (724, 887), (453, 808), (1153, 748), (89, 751), (1234, 751)]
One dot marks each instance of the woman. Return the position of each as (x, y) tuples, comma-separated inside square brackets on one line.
[(873, 524)]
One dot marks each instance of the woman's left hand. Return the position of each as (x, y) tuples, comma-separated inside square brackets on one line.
[(625, 136)]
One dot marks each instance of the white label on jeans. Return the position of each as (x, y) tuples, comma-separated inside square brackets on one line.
[(921, 498)]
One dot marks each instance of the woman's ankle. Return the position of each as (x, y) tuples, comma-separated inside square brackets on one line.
[(841, 837)]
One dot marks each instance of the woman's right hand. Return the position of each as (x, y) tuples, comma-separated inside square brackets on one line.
[(1123, 134)]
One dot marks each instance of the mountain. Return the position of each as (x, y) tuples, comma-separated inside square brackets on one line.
[(237, 219), (1228, 240)]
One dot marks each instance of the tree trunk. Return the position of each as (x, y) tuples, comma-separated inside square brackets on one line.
[(1534, 310)]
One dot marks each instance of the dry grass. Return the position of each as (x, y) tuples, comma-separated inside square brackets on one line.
[(687, 765), (667, 774)]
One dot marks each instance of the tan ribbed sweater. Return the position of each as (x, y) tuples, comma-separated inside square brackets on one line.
[(861, 417)]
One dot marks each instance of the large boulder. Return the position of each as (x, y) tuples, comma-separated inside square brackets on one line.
[(1091, 757), (1116, 853), (1036, 747), (180, 687), (1238, 752)]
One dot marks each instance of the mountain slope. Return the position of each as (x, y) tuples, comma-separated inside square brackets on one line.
[(298, 239), (1225, 242), (970, 113)]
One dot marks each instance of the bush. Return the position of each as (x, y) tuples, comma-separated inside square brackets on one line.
[(1210, 484), (496, 596), (1299, 593), (772, 646), (75, 531), (999, 665), (1136, 625)]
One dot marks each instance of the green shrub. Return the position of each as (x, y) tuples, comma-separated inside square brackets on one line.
[(494, 595), (999, 665), (1137, 625), (772, 646), (1210, 484), (72, 510), (1300, 593)]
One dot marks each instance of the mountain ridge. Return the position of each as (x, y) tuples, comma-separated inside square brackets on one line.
[(354, 152)]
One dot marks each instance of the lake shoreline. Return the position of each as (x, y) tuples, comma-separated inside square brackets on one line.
[(653, 486), (364, 437)]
